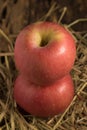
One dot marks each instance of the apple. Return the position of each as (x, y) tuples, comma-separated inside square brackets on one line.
[(45, 52), (44, 101)]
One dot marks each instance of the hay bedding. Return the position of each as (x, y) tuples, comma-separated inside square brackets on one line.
[(14, 15)]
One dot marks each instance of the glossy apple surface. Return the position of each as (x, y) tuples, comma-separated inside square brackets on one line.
[(45, 51), (44, 101)]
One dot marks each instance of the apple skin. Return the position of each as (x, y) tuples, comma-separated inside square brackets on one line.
[(44, 101), (48, 63)]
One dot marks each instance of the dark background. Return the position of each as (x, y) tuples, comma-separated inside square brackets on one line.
[(15, 14)]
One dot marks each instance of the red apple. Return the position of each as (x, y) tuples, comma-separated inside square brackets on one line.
[(45, 52), (44, 101)]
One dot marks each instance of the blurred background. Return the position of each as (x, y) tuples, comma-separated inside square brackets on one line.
[(15, 14)]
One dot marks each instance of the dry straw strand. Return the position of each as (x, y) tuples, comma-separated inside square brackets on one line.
[(76, 22)]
